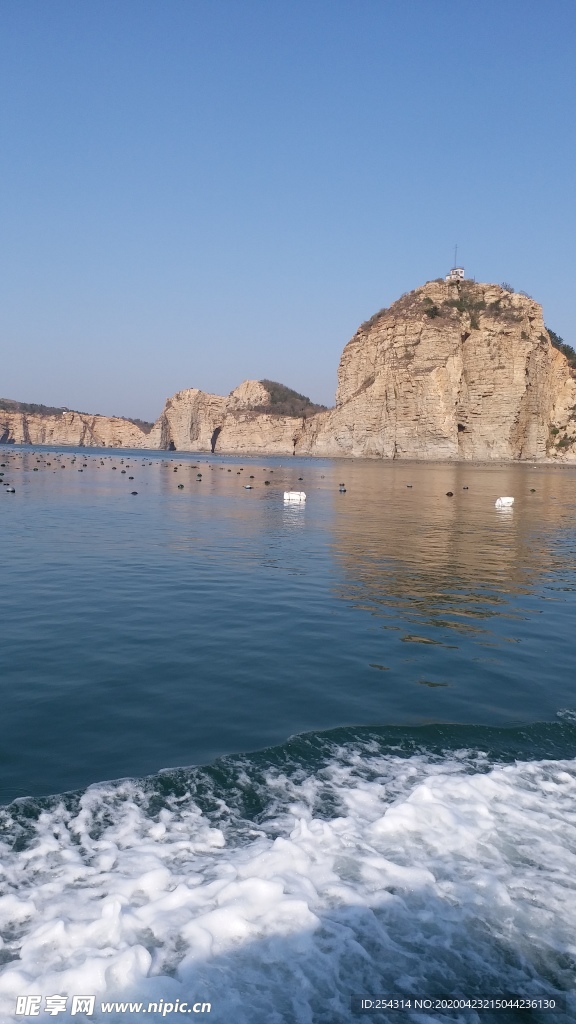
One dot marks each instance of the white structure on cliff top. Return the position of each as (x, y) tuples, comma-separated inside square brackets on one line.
[(456, 274)]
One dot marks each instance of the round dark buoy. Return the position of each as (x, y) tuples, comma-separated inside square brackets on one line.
[(267, 483), (251, 477), (300, 477), (449, 494), (133, 492), (532, 490)]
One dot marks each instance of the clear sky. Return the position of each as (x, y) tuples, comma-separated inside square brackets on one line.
[(195, 192)]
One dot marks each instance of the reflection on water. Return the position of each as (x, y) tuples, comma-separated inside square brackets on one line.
[(453, 562), (197, 617), (293, 515)]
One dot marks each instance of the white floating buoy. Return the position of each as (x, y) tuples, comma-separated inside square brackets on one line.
[(294, 496), (504, 502)]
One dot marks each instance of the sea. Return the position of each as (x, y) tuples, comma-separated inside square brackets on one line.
[(276, 763)]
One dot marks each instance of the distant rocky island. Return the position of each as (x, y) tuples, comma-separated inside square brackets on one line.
[(452, 370)]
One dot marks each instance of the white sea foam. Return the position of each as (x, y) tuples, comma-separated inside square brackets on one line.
[(428, 876)]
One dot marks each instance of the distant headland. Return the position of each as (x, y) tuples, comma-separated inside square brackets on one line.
[(452, 370)]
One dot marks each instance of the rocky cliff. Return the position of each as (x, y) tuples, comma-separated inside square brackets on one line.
[(196, 421), (69, 428), (452, 370)]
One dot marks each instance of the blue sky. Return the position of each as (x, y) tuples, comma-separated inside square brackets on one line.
[(194, 192)]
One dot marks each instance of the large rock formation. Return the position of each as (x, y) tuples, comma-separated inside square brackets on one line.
[(453, 370), (195, 421), (69, 428)]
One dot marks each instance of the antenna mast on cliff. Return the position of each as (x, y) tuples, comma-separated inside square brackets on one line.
[(457, 273)]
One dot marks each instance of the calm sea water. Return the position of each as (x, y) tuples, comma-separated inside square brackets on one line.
[(377, 689)]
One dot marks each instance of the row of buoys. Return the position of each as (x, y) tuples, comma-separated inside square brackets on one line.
[(298, 497), (504, 501)]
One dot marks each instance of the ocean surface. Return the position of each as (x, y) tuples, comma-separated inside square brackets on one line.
[(276, 758)]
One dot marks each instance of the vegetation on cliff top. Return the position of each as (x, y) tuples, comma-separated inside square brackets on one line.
[(144, 425), (286, 402), (563, 347), (373, 319), (36, 409), (470, 301)]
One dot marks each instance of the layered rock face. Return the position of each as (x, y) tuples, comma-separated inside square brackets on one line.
[(450, 371), (70, 428), (196, 421)]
